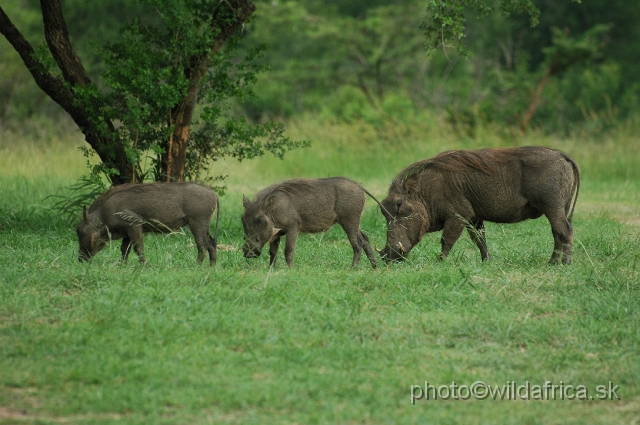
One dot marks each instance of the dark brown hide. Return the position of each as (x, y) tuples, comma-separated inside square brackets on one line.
[(464, 188), (304, 206), (127, 211)]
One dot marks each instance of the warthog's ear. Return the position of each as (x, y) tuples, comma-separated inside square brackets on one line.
[(411, 185), (398, 204), (85, 215), (245, 202)]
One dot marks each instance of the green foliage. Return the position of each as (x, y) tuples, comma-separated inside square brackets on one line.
[(446, 22), (375, 53), (345, 65), (582, 101), (81, 193), (566, 51), (567, 60), (320, 51), (172, 57), (19, 98), (148, 73)]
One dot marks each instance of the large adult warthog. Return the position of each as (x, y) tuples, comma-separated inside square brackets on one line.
[(304, 206), (127, 211), (464, 188)]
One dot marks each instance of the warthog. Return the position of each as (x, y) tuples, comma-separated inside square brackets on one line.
[(464, 188), (304, 206), (127, 211)]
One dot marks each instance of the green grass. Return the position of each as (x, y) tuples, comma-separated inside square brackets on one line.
[(172, 342)]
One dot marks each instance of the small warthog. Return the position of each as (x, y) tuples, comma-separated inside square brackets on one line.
[(462, 189), (127, 211), (304, 206)]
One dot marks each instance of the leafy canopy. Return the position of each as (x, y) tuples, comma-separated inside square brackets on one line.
[(148, 76), (446, 20)]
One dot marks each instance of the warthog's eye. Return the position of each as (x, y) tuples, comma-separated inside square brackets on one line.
[(259, 220)]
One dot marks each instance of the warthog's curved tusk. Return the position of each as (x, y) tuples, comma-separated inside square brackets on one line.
[(379, 251), (401, 247)]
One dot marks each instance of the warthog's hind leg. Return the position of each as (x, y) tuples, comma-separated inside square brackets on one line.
[(212, 247), (135, 235), (479, 237), (562, 238), (290, 246), (358, 241), (366, 244)]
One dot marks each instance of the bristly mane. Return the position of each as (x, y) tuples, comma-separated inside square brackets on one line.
[(483, 160), (100, 200), (290, 187), (130, 187)]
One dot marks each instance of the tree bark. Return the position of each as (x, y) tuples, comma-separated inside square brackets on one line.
[(57, 36), (175, 158)]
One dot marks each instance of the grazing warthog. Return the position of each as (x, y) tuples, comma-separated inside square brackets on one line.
[(464, 188), (304, 206), (127, 211)]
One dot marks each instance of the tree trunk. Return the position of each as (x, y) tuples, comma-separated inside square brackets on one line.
[(174, 160)]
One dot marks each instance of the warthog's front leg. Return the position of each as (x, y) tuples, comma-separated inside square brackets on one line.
[(125, 248), (452, 230)]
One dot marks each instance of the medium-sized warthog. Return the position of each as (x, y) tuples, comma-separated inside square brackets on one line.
[(463, 189), (304, 206), (127, 211)]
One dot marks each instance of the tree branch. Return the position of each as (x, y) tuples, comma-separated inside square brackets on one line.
[(111, 155), (57, 36), (51, 85)]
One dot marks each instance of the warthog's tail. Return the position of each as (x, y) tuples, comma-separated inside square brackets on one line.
[(378, 202), (215, 229), (576, 183)]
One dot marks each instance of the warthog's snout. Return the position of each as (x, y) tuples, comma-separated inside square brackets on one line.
[(251, 252), (389, 254), (83, 256)]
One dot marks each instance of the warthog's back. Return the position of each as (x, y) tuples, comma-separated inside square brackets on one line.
[(167, 203), (304, 206), (465, 188), (500, 185), (318, 203)]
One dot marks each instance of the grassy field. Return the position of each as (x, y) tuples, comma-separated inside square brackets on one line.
[(174, 343)]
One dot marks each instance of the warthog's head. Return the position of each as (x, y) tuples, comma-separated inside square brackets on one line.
[(407, 222), (258, 228), (88, 237)]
